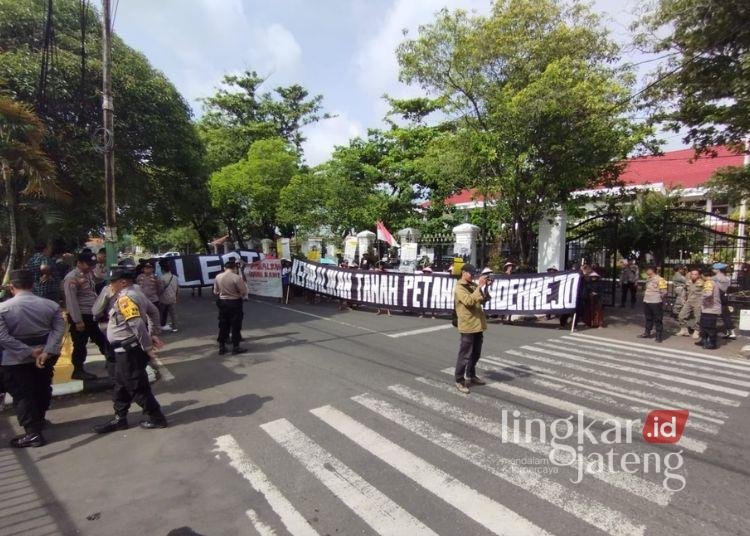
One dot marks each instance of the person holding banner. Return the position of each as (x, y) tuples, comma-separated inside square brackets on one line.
[(471, 324), (231, 293)]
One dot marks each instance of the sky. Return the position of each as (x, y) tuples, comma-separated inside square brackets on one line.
[(342, 49)]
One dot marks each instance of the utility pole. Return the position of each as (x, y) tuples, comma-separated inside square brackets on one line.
[(108, 135)]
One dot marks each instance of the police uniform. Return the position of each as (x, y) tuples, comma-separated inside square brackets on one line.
[(653, 306), (691, 308), (132, 320), (28, 322), (80, 295), (722, 281), (231, 292), (710, 311)]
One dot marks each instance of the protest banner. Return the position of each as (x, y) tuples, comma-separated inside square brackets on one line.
[(515, 294), (264, 278), (201, 270)]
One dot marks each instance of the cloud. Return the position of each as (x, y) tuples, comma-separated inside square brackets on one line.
[(323, 136), (376, 62)]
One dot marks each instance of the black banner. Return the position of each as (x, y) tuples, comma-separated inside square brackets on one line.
[(200, 270), (516, 294)]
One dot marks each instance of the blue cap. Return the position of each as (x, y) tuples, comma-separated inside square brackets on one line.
[(719, 266)]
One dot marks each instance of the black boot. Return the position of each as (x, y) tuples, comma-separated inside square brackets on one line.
[(711, 343), (222, 348), (118, 423), (154, 421), (659, 337), (701, 342), (645, 335), (30, 439), (237, 349)]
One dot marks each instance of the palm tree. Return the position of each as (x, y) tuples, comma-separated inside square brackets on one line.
[(25, 169)]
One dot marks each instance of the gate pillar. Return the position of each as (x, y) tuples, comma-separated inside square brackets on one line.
[(552, 230)]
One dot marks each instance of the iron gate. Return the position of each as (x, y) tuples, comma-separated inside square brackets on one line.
[(594, 241)]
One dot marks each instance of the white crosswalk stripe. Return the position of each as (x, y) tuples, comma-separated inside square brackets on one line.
[(696, 357), (492, 515), (648, 364), (560, 404), (539, 356), (292, 519), (635, 370), (593, 394), (673, 361), (377, 510), (528, 390), (630, 483)]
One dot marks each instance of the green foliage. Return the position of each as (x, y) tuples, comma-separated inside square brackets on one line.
[(183, 239), (158, 155), (540, 110), (249, 189), (704, 84), (730, 182)]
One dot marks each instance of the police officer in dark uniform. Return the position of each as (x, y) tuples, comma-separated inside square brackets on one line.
[(132, 331), (31, 334)]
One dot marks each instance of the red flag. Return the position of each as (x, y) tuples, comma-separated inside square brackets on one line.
[(385, 235)]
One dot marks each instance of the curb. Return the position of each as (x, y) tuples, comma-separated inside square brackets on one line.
[(74, 387)]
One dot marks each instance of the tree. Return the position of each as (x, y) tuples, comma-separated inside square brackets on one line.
[(247, 192), (538, 108), (159, 158), (24, 167), (703, 83)]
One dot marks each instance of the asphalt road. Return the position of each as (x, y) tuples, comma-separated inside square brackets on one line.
[(348, 423)]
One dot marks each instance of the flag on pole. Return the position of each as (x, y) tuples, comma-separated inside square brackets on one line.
[(385, 235)]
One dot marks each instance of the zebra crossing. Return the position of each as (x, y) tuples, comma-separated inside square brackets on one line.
[(602, 380)]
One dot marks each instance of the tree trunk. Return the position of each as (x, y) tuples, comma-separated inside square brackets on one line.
[(235, 235), (10, 202), (205, 239)]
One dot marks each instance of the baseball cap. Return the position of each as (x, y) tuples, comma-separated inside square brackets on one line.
[(89, 258), (469, 268), (719, 266)]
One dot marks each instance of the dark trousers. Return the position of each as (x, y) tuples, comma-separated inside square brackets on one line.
[(81, 339), (230, 320), (726, 316), (708, 327), (468, 354), (31, 389), (131, 384), (628, 288), (654, 313)]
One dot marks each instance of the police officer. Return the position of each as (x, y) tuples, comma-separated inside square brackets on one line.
[(722, 280), (79, 286), (31, 334), (710, 311), (231, 292), (692, 305), (653, 304), (132, 331)]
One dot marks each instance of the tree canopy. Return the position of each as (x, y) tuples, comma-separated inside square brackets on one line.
[(159, 158)]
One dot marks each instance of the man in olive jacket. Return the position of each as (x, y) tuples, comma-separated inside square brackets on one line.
[(468, 298)]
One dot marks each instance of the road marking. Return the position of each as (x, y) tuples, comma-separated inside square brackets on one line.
[(627, 482), (262, 528), (604, 353), (557, 403), (585, 509), (290, 517), (586, 394), (613, 390), (635, 370), (419, 331), (320, 317), (164, 371), (375, 509), (630, 379), (664, 352), (495, 517)]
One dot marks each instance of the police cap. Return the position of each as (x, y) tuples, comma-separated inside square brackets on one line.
[(121, 272)]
